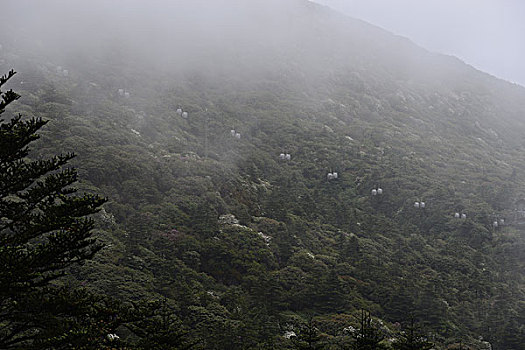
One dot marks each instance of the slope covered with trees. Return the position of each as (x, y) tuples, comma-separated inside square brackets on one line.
[(253, 251)]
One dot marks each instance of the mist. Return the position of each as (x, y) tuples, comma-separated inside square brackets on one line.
[(176, 35), (487, 34), (272, 167), (229, 38)]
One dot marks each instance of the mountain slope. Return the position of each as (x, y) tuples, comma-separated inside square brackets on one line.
[(338, 95)]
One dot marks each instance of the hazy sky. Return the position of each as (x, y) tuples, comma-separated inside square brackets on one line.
[(488, 34)]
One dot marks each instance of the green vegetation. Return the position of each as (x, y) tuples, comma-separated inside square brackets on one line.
[(44, 230), (253, 252), (412, 339)]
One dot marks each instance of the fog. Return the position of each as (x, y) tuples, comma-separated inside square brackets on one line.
[(179, 111), (239, 38), (487, 34), (175, 34)]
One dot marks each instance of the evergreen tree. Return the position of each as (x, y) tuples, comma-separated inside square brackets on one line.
[(412, 339), (308, 337), (367, 337), (44, 229), (162, 330)]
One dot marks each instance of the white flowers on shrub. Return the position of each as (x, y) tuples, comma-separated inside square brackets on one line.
[(289, 334), (349, 329), (113, 337)]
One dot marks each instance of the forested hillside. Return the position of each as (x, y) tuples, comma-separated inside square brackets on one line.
[(256, 250)]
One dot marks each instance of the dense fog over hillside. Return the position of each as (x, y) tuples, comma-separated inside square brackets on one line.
[(486, 34), (252, 174), (215, 37), (162, 32)]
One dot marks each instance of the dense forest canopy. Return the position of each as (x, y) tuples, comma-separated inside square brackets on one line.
[(216, 128)]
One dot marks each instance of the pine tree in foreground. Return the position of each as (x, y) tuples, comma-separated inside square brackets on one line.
[(44, 229)]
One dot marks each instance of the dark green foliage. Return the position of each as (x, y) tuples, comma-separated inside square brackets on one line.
[(160, 329), (368, 336), (411, 338), (430, 130), (44, 229), (307, 337), (66, 317)]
